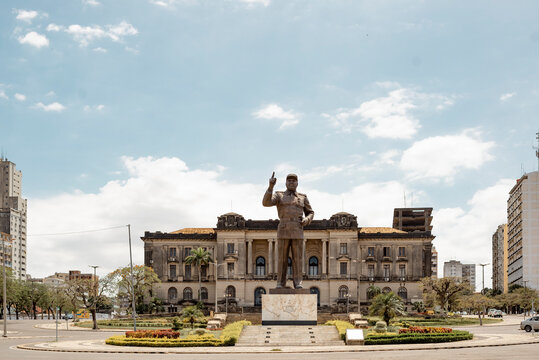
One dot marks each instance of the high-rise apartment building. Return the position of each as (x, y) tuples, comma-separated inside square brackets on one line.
[(13, 215), (463, 272), (523, 232), (499, 259)]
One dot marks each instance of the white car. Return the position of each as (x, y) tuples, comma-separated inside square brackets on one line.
[(530, 324)]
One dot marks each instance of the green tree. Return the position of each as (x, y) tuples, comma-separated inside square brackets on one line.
[(192, 314), (373, 291), (143, 278), (88, 293), (447, 290), (476, 302), (10, 289), (418, 306), (525, 297), (387, 306), (199, 257)]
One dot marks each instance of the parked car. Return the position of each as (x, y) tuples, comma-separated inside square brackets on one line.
[(497, 314), (530, 324)]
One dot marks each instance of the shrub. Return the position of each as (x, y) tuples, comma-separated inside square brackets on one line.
[(380, 327), (231, 332), (159, 334), (176, 324), (153, 342), (425, 330), (198, 332), (341, 326), (415, 338)]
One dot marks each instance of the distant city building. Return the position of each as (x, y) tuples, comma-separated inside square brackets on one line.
[(412, 219), (463, 272), (499, 259), (5, 249), (13, 215), (77, 275), (340, 261), (523, 232), (56, 279), (434, 260)]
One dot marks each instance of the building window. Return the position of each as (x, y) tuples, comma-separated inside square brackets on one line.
[(187, 293), (186, 252), (313, 266), (371, 270), (172, 294), (343, 291), (172, 252), (187, 272), (258, 296), (386, 290), (386, 251), (230, 269), (387, 272), (204, 271), (203, 294), (260, 266), (230, 248), (289, 268), (370, 251), (402, 270), (344, 249), (315, 290), (172, 271), (403, 293), (402, 251), (230, 291), (344, 268)]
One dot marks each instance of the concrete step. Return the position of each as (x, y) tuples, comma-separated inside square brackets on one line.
[(258, 335)]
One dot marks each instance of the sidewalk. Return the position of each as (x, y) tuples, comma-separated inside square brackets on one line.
[(72, 327), (99, 346)]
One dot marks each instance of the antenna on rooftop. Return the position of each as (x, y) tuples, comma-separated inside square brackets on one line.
[(404, 193)]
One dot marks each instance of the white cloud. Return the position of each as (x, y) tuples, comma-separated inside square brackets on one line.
[(20, 97), (506, 97), (84, 35), (165, 194), (390, 116), (26, 15), (163, 3), (442, 157), (55, 106), (100, 50), (251, 3), (275, 112), (3, 95), (99, 107), (91, 2), (388, 157), (50, 93), (34, 39), (466, 234), (54, 27)]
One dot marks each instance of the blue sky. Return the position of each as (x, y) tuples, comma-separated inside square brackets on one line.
[(140, 104)]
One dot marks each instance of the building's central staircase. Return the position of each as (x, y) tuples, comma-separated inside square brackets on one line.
[(280, 335)]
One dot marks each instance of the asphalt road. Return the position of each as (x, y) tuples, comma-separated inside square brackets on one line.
[(23, 331)]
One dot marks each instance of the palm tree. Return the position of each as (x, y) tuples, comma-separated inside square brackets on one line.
[(373, 291), (387, 306), (192, 314), (199, 257)]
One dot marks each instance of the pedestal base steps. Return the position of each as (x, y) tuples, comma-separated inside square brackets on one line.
[(285, 335)]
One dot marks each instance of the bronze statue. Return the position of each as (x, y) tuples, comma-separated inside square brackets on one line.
[(291, 206)]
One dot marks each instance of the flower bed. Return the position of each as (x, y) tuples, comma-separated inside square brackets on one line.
[(166, 338), (425, 330), (341, 326), (416, 338)]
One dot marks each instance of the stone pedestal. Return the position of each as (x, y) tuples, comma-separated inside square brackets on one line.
[(289, 307)]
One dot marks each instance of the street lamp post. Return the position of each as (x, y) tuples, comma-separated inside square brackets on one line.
[(347, 301), (4, 238), (216, 278), (483, 276), (132, 280)]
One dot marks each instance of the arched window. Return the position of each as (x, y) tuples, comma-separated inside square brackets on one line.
[(289, 268), (203, 294), (403, 293), (187, 293), (315, 290), (260, 266), (386, 290), (231, 291), (172, 293), (313, 266), (343, 292), (258, 295)]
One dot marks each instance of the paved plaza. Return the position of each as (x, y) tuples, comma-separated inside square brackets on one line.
[(35, 339)]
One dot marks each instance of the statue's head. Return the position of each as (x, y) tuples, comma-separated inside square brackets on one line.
[(291, 182)]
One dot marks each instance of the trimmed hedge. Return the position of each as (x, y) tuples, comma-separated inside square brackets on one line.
[(425, 330), (341, 326), (228, 337), (417, 338)]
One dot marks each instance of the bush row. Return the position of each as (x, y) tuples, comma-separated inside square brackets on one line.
[(341, 326), (229, 337), (159, 334), (425, 330), (415, 338)]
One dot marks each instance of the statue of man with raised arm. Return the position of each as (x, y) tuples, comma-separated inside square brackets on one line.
[(291, 206)]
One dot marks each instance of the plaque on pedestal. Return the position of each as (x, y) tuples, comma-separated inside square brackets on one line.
[(289, 307)]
